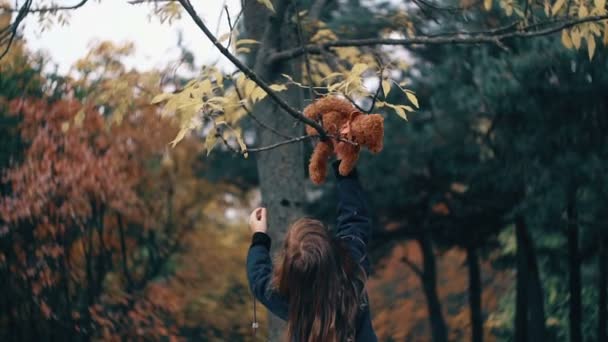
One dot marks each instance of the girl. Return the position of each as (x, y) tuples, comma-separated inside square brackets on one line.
[(317, 285)]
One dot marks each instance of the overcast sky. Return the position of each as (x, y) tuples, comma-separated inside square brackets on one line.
[(118, 21)]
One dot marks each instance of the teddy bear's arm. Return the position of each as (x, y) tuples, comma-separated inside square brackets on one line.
[(317, 168)]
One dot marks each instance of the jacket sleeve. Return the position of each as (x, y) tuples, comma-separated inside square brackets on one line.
[(259, 273), (354, 221)]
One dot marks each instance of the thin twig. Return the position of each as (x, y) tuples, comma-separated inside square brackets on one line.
[(380, 78), (260, 123), (311, 91), (413, 266), (249, 73)]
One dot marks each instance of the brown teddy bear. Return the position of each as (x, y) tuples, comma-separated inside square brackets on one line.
[(341, 119)]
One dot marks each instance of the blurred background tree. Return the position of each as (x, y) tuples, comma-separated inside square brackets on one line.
[(123, 219)]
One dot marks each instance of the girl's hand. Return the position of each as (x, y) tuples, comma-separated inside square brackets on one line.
[(257, 221)]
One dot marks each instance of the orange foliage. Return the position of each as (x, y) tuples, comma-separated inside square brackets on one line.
[(399, 306), (110, 235)]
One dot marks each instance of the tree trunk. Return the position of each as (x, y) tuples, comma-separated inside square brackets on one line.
[(475, 295), (536, 305), (521, 302), (280, 170), (602, 315), (429, 285), (532, 292), (575, 314)]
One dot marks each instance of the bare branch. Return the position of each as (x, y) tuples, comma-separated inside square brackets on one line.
[(489, 37), (297, 139), (281, 143), (249, 73), (255, 118)]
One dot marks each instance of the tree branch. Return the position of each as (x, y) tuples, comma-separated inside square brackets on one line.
[(249, 73), (488, 37), (413, 266), (45, 9)]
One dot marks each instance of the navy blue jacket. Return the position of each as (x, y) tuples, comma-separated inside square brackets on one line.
[(353, 225)]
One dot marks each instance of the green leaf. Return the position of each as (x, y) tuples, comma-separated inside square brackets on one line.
[(267, 3)]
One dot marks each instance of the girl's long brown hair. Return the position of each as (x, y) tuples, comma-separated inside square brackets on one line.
[(322, 282)]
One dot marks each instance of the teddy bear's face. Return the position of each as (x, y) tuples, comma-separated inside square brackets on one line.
[(368, 130)]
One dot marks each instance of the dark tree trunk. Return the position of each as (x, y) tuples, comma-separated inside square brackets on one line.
[(429, 285), (574, 267), (536, 305), (281, 170), (475, 295), (521, 301), (602, 315), (532, 308)]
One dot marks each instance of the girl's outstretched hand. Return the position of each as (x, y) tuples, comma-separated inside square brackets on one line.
[(257, 221)]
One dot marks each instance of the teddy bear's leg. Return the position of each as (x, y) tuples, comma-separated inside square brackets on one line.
[(317, 168), (349, 155)]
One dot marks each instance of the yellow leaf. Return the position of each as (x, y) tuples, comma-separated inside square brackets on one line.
[(557, 6), (278, 87), (386, 87), (576, 38), (582, 11), (160, 98), (206, 87), (487, 4), (224, 37), (246, 41), (65, 126), (267, 3), (400, 112), (241, 142), (413, 99), (591, 46), (257, 94), (600, 5), (210, 140), (409, 108), (358, 69), (79, 118), (249, 88), (606, 32), (566, 39), (243, 50), (180, 136)]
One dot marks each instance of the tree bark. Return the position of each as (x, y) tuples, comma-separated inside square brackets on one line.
[(533, 308), (602, 316), (521, 302), (429, 285), (475, 295), (575, 314), (280, 170), (536, 305)]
